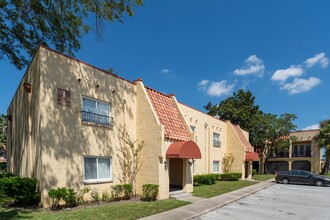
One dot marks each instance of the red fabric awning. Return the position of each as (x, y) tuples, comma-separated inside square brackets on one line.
[(251, 156), (183, 149)]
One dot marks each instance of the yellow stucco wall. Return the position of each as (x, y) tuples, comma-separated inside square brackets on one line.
[(236, 148), (24, 128), (149, 130), (205, 125), (65, 138)]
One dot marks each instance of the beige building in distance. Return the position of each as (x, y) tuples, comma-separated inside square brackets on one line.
[(304, 153), (67, 118)]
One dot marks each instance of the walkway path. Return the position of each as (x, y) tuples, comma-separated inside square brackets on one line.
[(206, 205)]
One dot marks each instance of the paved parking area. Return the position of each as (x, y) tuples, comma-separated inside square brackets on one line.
[(278, 202)]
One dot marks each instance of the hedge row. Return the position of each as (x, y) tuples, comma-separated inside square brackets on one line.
[(23, 189), (209, 179)]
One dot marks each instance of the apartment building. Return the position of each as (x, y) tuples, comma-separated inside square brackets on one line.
[(304, 153), (67, 119)]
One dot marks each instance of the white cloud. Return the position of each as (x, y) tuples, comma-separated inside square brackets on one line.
[(253, 65), (166, 71), (312, 127), (301, 85), (215, 88), (282, 75), (320, 58)]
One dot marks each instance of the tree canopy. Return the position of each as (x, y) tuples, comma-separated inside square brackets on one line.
[(24, 24), (266, 130), (239, 109), (324, 141), (3, 132)]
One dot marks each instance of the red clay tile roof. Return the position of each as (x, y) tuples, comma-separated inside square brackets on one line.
[(244, 140), (169, 116)]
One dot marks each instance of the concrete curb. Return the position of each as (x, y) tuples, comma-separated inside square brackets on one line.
[(194, 210)]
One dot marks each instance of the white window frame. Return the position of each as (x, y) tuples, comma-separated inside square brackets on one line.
[(97, 180), (97, 101), (218, 162), (216, 139)]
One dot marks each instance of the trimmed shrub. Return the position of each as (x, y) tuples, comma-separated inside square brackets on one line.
[(230, 176), (56, 195), (127, 191), (5, 174), (116, 192), (23, 189), (254, 172), (68, 195), (70, 198), (149, 192), (205, 179), (121, 191)]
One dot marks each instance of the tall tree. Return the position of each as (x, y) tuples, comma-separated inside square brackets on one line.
[(266, 130), (324, 142), (24, 24), (3, 130), (3, 135), (239, 109)]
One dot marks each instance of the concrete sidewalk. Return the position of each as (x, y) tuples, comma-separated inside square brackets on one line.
[(201, 207)]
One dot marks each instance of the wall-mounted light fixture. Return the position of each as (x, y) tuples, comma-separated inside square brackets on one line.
[(166, 164), (27, 87), (191, 161)]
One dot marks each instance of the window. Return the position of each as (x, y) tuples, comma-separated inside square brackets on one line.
[(96, 112), (216, 167), (97, 169), (216, 140), (302, 150)]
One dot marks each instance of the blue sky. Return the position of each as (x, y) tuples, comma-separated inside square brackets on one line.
[(205, 50)]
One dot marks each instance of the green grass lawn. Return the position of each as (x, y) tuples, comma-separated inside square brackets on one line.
[(328, 175), (220, 187), (263, 177), (121, 210)]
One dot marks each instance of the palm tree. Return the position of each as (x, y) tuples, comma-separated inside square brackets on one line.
[(324, 141)]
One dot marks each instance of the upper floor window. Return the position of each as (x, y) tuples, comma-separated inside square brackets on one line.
[(216, 140), (96, 112), (302, 150)]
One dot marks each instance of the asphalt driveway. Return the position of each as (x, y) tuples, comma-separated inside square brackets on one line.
[(278, 202)]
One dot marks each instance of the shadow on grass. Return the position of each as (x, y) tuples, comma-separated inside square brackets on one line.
[(8, 211)]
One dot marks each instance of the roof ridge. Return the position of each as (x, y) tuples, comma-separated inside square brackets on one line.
[(202, 112), (83, 62), (161, 93)]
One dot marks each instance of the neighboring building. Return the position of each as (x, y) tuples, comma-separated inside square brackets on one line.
[(303, 154), (67, 118)]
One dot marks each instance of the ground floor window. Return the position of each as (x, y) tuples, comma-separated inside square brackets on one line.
[(216, 168), (97, 169)]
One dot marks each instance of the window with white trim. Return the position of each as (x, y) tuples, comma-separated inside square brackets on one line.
[(97, 169), (96, 112), (216, 140), (216, 168)]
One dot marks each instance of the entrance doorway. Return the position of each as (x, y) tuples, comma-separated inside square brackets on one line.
[(176, 174)]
